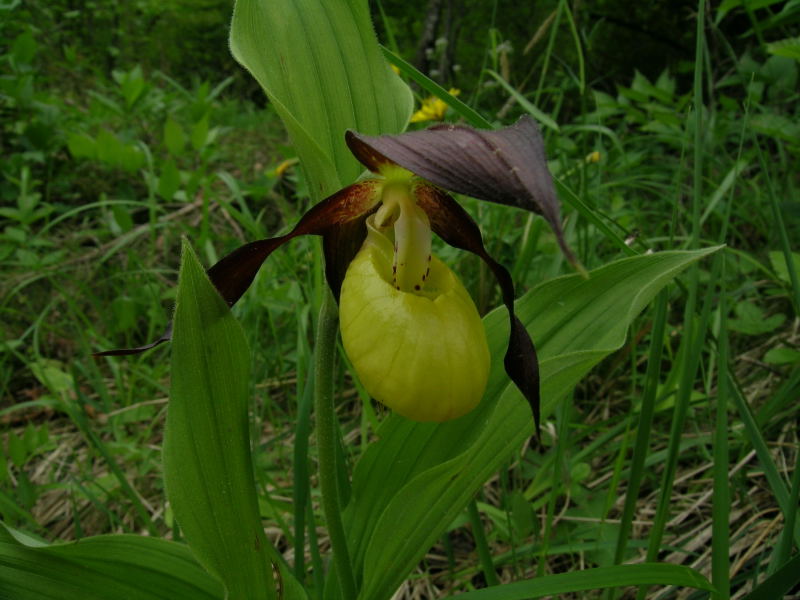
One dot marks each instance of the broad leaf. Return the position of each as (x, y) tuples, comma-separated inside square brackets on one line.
[(207, 463), (781, 267), (320, 64), (106, 567), (411, 484), (787, 47)]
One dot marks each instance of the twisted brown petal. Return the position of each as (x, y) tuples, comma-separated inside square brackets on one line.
[(334, 218), (234, 273), (454, 225), (340, 244)]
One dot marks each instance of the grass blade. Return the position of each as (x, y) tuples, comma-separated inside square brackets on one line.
[(426, 83), (774, 479), (693, 336), (721, 503), (779, 583), (526, 104), (644, 425), (484, 553), (594, 579)]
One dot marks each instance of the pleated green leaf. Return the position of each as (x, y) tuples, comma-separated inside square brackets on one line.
[(208, 470), (595, 579), (411, 484), (320, 64), (106, 567)]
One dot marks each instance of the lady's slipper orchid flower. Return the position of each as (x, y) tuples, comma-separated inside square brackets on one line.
[(408, 325)]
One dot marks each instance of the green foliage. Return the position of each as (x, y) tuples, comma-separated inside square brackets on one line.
[(340, 61), (789, 47), (110, 566), (411, 484), (126, 126), (207, 467)]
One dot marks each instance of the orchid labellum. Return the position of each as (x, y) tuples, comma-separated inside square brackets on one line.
[(408, 325)]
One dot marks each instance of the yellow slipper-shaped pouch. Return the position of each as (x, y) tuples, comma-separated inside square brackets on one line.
[(422, 353)]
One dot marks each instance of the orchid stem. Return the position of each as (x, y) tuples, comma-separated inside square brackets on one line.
[(481, 545), (325, 352)]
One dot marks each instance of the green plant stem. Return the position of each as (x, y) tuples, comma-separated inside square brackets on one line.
[(430, 86), (790, 530), (481, 545), (784, 236), (551, 40), (694, 333), (571, 198), (576, 38), (643, 426), (301, 478), (771, 473), (557, 488), (316, 559), (325, 352), (721, 503), (784, 550)]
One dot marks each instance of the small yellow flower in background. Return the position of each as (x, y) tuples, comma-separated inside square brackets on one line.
[(433, 108), (592, 157), (284, 166)]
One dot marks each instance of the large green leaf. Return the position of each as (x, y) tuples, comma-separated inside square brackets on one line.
[(208, 469), (411, 484), (106, 567), (322, 68)]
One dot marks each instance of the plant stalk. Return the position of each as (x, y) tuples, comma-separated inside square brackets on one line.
[(324, 355), (481, 545)]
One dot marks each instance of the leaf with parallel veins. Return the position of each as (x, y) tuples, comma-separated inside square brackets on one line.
[(335, 218)]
